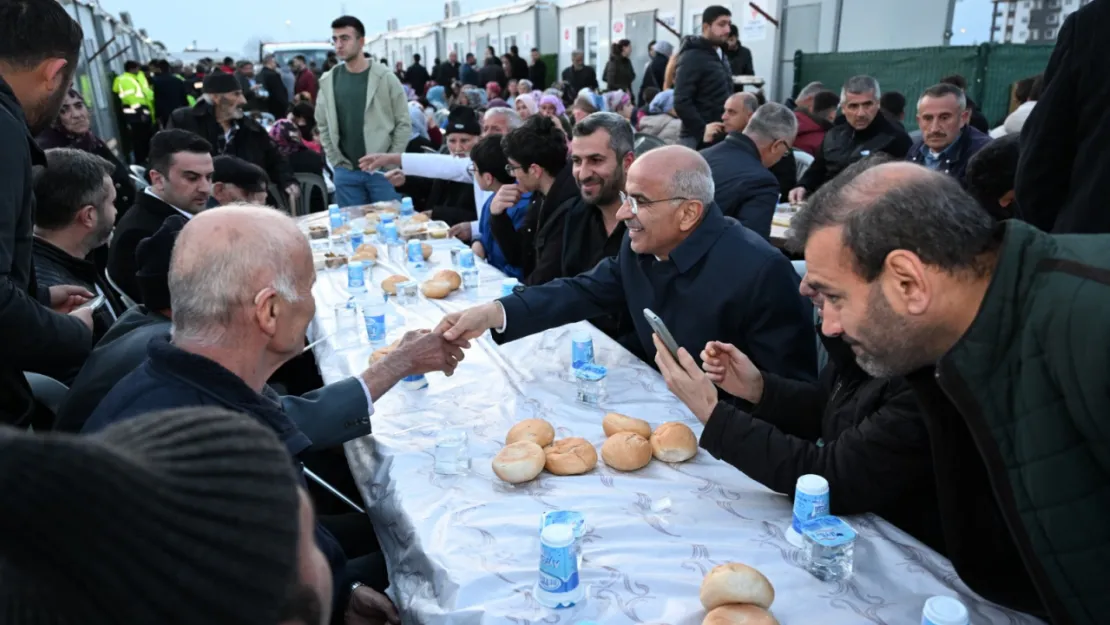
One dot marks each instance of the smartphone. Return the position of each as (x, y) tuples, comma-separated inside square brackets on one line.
[(660, 328), (93, 303)]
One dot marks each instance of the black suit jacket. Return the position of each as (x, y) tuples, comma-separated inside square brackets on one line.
[(745, 189), (142, 221), (278, 101)]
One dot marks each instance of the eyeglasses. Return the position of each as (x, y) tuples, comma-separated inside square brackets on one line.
[(510, 168), (636, 204), (472, 170)]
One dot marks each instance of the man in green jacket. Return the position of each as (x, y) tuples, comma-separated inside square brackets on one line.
[(1002, 331), (361, 109)]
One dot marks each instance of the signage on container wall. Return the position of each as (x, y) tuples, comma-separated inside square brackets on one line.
[(670, 19), (755, 26), (618, 29)]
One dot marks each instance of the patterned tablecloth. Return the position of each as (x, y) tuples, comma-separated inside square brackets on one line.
[(465, 549)]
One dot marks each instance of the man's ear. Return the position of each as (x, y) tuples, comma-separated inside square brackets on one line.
[(53, 73)]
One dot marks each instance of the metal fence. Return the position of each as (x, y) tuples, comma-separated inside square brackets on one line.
[(990, 70)]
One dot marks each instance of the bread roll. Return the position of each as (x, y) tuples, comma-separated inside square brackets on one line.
[(381, 353), (538, 431), (674, 442), (739, 615), (735, 583), (389, 285), (426, 249), (436, 289), (368, 249), (420, 218), (616, 422), (571, 456), (520, 462), (626, 451), (364, 256), (446, 275)]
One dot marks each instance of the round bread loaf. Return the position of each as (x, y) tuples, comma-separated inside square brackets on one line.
[(626, 451), (368, 250), (739, 615), (520, 462), (571, 456), (381, 352), (426, 249), (538, 431), (615, 422), (736, 583), (365, 257), (420, 218), (674, 442), (389, 285), (436, 289), (446, 275)]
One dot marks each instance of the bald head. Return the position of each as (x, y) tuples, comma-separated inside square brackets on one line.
[(225, 259), (739, 108), (679, 172)]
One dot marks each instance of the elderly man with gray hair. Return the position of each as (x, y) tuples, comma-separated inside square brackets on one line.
[(745, 187), (240, 287), (866, 133), (706, 276)]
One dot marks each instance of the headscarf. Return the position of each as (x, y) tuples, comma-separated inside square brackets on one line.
[(475, 97), (665, 48), (662, 103), (437, 98), (56, 136), (498, 103), (530, 103), (287, 137), (410, 93), (493, 89), (419, 121), (556, 102), (616, 100)]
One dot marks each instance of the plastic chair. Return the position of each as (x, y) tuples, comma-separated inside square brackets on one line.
[(127, 301), (311, 184), (802, 162), (642, 142), (48, 392), (278, 196), (139, 171)]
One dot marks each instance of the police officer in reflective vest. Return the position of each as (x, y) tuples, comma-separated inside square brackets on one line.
[(137, 99)]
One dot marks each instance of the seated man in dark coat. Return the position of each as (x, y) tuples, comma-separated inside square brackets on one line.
[(947, 141), (449, 201), (232, 332), (74, 214), (705, 275)]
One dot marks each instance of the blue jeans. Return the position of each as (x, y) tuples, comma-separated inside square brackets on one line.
[(357, 187)]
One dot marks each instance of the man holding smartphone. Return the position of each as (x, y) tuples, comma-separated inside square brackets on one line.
[(705, 276)]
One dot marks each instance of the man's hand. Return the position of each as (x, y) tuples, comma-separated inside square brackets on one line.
[(461, 231), (507, 197), (374, 162), (396, 177), (472, 322), (685, 380), (85, 315), (797, 195), (731, 370), (370, 607), (712, 131), (423, 352), (294, 191), (64, 298), (478, 249)]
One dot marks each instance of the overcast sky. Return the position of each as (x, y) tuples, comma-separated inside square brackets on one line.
[(229, 24)]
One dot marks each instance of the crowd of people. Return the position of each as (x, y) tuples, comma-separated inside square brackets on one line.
[(957, 397)]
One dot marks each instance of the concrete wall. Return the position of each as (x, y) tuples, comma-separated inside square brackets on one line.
[(549, 32)]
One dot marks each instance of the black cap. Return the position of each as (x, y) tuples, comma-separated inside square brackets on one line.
[(463, 119), (219, 82), (186, 516), (152, 256), (234, 170)]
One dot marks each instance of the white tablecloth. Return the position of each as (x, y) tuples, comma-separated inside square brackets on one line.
[(465, 549)]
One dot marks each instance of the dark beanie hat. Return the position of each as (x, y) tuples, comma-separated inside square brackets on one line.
[(153, 259), (219, 82), (186, 516), (463, 119)]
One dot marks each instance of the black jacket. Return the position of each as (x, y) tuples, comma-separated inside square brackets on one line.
[(278, 101), (492, 72), (740, 61), (537, 73), (703, 81), (1062, 182), (452, 202), (416, 77), (865, 436), (656, 73), (761, 312), (445, 73), (32, 337), (844, 145), (585, 244), (519, 67), (121, 174), (142, 221), (249, 142), (579, 79), (745, 189), (978, 120), (169, 95), (619, 74), (54, 266), (957, 157), (537, 247)]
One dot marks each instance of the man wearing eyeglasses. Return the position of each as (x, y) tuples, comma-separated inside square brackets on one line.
[(706, 276)]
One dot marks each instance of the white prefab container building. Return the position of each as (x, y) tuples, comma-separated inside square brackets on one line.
[(526, 25), (403, 43)]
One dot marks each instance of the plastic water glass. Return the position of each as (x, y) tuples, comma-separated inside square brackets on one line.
[(590, 384), (828, 548), (346, 324), (452, 456)]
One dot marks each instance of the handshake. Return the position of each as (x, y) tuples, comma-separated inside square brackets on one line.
[(441, 349)]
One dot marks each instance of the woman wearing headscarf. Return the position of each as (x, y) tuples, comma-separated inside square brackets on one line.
[(304, 117), (526, 106), (73, 129), (621, 103), (473, 97), (552, 106), (437, 97), (302, 159)]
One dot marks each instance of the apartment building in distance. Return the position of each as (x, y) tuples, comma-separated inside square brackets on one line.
[(1030, 21)]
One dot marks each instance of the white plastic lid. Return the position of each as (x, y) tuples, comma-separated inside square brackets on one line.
[(333, 207), (557, 535), (812, 485), (942, 610)]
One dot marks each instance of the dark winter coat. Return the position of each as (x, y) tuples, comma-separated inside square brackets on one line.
[(492, 72), (703, 81), (844, 145), (745, 189), (619, 74), (249, 142), (580, 78), (955, 160), (537, 247)]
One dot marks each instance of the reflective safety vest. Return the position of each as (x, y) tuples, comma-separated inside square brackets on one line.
[(188, 96), (129, 90)]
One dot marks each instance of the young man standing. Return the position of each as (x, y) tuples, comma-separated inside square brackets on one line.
[(361, 109), (704, 78)]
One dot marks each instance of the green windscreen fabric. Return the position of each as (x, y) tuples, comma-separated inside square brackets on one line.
[(990, 70)]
